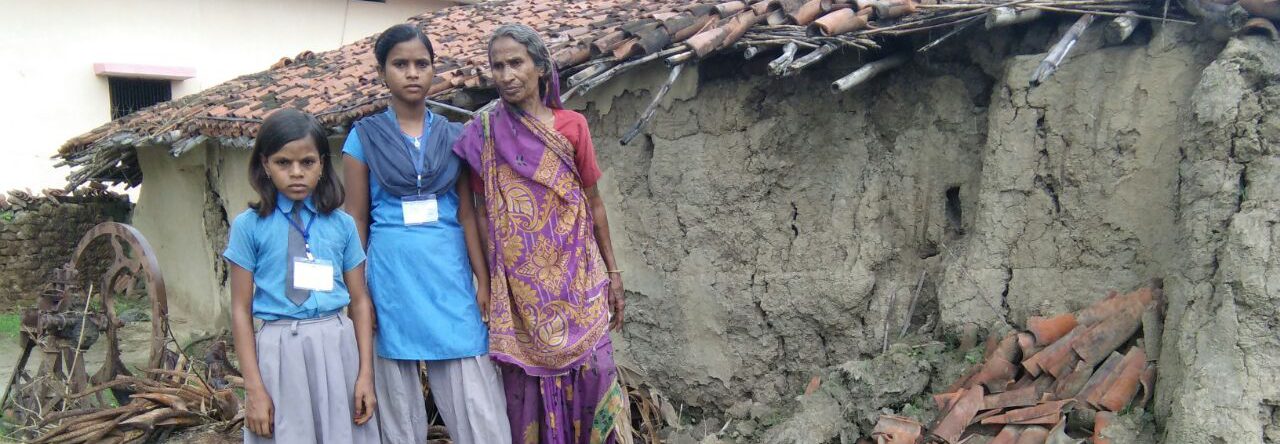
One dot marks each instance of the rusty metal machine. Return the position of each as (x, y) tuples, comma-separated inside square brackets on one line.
[(74, 332)]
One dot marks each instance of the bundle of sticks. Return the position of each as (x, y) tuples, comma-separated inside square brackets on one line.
[(162, 401)]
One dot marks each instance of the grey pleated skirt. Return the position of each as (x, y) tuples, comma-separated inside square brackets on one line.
[(309, 368)]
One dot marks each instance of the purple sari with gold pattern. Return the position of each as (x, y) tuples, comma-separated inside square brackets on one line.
[(549, 315), (547, 279)]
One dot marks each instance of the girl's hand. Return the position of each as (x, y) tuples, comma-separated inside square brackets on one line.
[(616, 302), (482, 300), (365, 402), (259, 413)]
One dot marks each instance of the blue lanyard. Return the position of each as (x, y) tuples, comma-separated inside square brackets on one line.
[(305, 232), (420, 155)]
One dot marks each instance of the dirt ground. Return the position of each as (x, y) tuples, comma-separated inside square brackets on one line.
[(133, 339), (134, 352)]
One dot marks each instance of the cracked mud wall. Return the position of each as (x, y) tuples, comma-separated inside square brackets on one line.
[(172, 213), (1221, 375), (770, 229), (1077, 191)]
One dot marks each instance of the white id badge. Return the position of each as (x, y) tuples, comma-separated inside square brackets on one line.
[(420, 210), (312, 274)]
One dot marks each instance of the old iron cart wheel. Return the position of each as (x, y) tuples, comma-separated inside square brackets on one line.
[(71, 316)]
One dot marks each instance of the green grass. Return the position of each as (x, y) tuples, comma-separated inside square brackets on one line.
[(125, 303), (9, 325), (121, 304), (7, 427)]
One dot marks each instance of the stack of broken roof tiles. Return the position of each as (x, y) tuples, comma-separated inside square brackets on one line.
[(1090, 364)]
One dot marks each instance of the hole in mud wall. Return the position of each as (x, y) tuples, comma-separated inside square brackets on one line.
[(953, 210), (1048, 184), (795, 214)]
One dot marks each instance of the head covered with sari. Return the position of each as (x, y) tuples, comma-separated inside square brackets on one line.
[(547, 279)]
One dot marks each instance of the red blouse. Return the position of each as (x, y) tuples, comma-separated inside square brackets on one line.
[(573, 126)]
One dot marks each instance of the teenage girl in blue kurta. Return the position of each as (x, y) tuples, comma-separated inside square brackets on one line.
[(296, 262), (414, 210)]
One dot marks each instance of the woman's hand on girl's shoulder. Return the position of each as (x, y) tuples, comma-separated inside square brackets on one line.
[(259, 412)]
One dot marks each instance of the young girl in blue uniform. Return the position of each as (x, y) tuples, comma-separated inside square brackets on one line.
[(414, 210), (296, 262)]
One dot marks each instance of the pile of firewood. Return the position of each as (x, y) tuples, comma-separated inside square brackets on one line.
[(1065, 377), (166, 399)]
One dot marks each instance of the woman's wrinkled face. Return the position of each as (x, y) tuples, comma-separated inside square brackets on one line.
[(408, 71), (514, 72)]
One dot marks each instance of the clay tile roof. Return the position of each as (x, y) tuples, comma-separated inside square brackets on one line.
[(341, 85)]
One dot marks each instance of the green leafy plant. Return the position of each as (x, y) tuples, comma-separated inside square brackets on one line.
[(7, 427), (910, 410), (10, 325), (973, 356)]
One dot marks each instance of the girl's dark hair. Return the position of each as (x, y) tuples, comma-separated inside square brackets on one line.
[(281, 127), (396, 35)]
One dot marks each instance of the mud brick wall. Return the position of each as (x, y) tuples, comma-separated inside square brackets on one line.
[(769, 228), (42, 235)]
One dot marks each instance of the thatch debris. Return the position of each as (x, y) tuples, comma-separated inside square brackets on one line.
[(165, 399)]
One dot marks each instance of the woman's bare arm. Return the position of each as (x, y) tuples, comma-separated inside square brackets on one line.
[(472, 231), (259, 408), (601, 229), (361, 309), (355, 178)]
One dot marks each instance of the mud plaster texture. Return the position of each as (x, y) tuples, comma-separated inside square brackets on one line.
[(771, 230), (848, 400), (1221, 358)]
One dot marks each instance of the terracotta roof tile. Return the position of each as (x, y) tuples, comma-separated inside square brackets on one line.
[(340, 86), (1058, 378)]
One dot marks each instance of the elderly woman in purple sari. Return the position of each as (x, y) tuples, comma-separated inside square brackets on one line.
[(555, 287)]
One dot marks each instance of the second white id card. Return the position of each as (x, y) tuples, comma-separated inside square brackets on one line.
[(311, 274), (419, 210)]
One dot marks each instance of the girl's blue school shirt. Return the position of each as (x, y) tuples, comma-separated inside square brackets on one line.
[(261, 245), (420, 279)]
